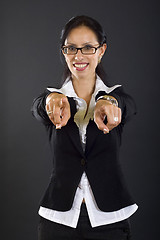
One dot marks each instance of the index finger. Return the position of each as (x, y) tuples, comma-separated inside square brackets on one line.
[(65, 111), (99, 120)]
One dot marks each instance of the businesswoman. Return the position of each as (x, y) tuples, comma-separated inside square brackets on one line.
[(87, 196)]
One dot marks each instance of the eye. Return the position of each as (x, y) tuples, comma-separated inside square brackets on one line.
[(65, 50), (71, 48), (87, 47)]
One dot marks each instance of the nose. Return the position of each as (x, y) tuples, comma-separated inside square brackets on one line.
[(79, 55)]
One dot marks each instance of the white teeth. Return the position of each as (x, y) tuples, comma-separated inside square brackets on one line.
[(80, 65)]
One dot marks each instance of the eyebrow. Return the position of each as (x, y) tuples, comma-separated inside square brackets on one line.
[(82, 44)]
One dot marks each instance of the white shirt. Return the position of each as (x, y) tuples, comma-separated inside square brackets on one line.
[(96, 216)]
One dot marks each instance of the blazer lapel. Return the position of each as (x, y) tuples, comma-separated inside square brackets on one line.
[(72, 128), (73, 133), (92, 132)]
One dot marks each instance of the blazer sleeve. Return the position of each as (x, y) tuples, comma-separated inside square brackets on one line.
[(38, 109), (125, 102), (39, 112)]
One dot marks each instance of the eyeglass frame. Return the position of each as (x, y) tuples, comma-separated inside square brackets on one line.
[(80, 50)]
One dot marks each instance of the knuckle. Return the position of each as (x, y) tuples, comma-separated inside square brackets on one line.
[(113, 124), (56, 114), (56, 101), (104, 107), (63, 123)]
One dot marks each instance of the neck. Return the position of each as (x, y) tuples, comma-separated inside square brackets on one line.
[(84, 88)]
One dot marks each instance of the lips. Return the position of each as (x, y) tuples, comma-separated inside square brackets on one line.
[(80, 66)]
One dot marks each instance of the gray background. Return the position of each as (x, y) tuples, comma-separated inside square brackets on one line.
[(30, 53)]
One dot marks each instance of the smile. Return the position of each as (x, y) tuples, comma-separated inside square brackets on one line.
[(80, 66)]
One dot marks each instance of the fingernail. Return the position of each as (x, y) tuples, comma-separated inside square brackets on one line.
[(58, 126), (105, 131)]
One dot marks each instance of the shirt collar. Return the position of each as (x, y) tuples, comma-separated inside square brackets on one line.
[(68, 90)]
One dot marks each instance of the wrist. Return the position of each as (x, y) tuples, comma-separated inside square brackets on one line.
[(108, 98)]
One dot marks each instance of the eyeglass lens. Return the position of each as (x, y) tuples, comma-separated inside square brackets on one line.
[(84, 50)]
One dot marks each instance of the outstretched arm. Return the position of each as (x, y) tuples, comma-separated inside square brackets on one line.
[(116, 114), (105, 109), (58, 109)]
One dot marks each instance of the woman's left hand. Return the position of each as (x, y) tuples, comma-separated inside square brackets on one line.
[(104, 109)]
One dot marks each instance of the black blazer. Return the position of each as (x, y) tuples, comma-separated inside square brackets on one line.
[(100, 160)]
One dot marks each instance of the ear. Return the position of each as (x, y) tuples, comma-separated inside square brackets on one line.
[(103, 49), (63, 53)]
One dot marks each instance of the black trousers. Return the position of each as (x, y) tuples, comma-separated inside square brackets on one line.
[(48, 230)]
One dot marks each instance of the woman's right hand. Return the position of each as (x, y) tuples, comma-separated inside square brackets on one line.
[(58, 109)]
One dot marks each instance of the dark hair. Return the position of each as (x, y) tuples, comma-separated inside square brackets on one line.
[(95, 27)]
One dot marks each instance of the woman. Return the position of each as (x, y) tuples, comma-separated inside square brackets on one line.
[(87, 197)]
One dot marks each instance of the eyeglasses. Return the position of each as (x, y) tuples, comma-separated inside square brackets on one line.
[(86, 50)]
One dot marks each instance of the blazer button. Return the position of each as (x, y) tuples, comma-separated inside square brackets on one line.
[(83, 162)]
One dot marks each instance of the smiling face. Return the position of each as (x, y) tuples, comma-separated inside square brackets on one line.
[(80, 65)]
